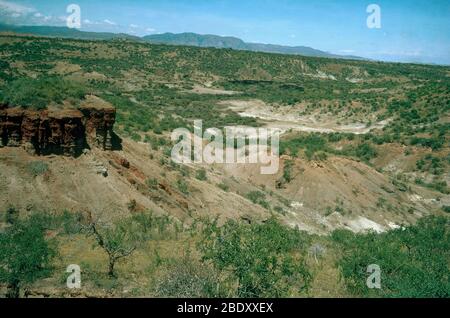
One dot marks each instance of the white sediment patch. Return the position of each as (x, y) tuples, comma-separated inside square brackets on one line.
[(285, 121), (393, 226), (362, 224), (296, 205)]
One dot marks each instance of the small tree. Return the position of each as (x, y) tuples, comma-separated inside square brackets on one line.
[(116, 241), (25, 254)]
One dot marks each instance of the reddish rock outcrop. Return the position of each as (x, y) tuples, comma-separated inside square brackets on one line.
[(65, 132), (99, 126), (99, 119)]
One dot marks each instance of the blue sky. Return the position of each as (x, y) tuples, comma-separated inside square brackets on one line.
[(411, 31)]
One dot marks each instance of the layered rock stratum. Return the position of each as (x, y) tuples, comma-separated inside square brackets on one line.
[(61, 131)]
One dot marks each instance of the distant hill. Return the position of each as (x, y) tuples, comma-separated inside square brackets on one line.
[(65, 32), (190, 39), (216, 41), (194, 39)]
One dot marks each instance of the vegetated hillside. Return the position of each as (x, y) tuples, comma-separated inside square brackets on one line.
[(364, 147)]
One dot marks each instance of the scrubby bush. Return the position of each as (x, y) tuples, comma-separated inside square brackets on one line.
[(311, 143), (413, 260), (224, 186), (182, 186), (188, 279), (263, 260), (433, 143), (37, 168), (288, 170), (365, 152), (201, 175), (71, 222), (258, 197)]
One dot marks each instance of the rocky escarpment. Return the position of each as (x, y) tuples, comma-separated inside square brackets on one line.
[(99, 118), (65, 132)]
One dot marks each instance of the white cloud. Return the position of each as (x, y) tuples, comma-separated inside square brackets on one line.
[(109, 22), (13, 13), (134, 26), (15, 8), (150, 30), (347, 51), (89, 22), (411, 53)]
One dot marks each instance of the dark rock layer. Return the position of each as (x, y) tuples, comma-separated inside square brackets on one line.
[(64, 132)]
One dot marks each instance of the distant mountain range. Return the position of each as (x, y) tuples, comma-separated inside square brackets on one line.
[(65, 32), (189, 39), (229, 42)]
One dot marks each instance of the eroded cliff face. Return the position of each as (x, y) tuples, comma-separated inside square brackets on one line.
[(99, 123), (64, 132)]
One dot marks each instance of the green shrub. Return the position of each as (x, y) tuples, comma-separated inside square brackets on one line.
[(433, 143), (201, 175), (280, 210), (258, 197), (147, 226), (189, 279), (440, 186), (263, 260), (224, 186), (365, 152), (136, 137), (71, 222), (311, 143), (37, 168), (287, 171), (182, 186), (413, 260)]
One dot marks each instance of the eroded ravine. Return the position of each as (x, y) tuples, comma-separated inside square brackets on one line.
[(285, 121)]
